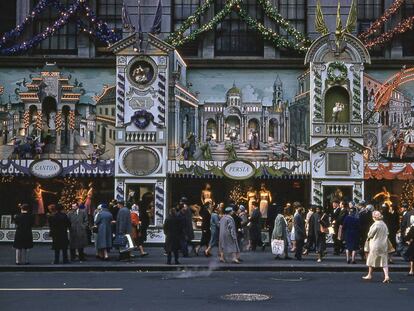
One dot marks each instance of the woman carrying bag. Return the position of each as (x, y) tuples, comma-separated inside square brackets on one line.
[(323, 220), (377, 246)]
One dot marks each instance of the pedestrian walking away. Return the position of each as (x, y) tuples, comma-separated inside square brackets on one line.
[(23, 239)]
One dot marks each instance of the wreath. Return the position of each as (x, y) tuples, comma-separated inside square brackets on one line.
[(142, 119), (332, 76)]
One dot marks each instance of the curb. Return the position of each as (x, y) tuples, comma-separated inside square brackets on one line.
[(174, 268)]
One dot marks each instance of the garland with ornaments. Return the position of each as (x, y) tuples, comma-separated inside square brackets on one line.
[(178, 39), (96, 27), (375, 26)]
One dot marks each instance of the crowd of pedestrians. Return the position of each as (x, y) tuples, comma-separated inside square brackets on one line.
[(356, 229), (71, 231)]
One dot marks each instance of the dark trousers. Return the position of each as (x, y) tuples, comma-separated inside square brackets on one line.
[(310, 243), (299, 248), (184, 247), (338, 245), (64, 255), (73, 254), (169, 256)]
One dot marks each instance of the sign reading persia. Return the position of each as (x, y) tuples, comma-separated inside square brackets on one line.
[(45, 168), (239, 169)]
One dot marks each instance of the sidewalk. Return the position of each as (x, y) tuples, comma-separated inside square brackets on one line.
[(41, 257)]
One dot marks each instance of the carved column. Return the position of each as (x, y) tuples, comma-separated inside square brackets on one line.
[(39, 124), (58, 124), (71, 131), (177, 124)]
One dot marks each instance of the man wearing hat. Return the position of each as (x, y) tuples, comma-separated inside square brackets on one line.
[(365, 222), (187, 223)]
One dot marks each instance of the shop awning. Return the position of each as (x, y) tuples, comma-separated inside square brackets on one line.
[(262, 169), (48, 168)]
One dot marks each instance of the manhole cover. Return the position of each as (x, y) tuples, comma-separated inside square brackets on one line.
[(246, 297)]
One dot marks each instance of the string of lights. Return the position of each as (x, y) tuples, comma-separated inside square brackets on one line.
[(401, 28), (375, 26), (96, 27)]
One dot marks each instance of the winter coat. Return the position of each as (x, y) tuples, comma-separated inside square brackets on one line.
[(255, 229), (172, 231), (279, 231), (228, 236), (378, 245), (104, 235), (214, 228), (78, 224), (299, 227), (352, 229), (23, 238), (123, 221), (59, 225), (188, 229)]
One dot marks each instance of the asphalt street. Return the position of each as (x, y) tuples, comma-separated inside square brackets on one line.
[(202, 290)]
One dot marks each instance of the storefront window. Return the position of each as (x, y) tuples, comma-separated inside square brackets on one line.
[(234, 37), (293, 11), (143, 196), (64, 41), (182, 9), (7, 15), (368, 12)]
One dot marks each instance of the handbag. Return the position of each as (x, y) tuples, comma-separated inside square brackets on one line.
[(390, 247), (278, 247), (366, 246), (120, 241)]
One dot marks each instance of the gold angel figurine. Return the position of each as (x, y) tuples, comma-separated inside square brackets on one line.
[(321, 27)]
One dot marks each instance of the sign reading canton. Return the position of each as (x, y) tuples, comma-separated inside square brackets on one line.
[(45, 168), (141, 103), (239, 169)]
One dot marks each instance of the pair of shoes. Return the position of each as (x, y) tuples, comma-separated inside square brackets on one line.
[(387, 280), (236, 261), (410, 274), (18, 263), (222, 260), (305, 253), (319, 260), (348, 261), (353, 262), (367, 277), (144, 254)]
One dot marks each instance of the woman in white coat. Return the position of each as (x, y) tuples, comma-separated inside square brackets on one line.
[(377, 247)]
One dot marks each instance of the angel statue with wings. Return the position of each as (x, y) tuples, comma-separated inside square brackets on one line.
[(321, 27)]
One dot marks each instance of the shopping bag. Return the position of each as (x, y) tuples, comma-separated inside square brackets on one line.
[(129, 246), (120, 241), (278, 247)]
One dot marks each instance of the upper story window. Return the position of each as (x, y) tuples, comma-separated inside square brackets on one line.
[(293, 11), (368, 12), (64, 41), (408, 37), (233, 37), (109, 11), (182, 9), (7, 15)]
